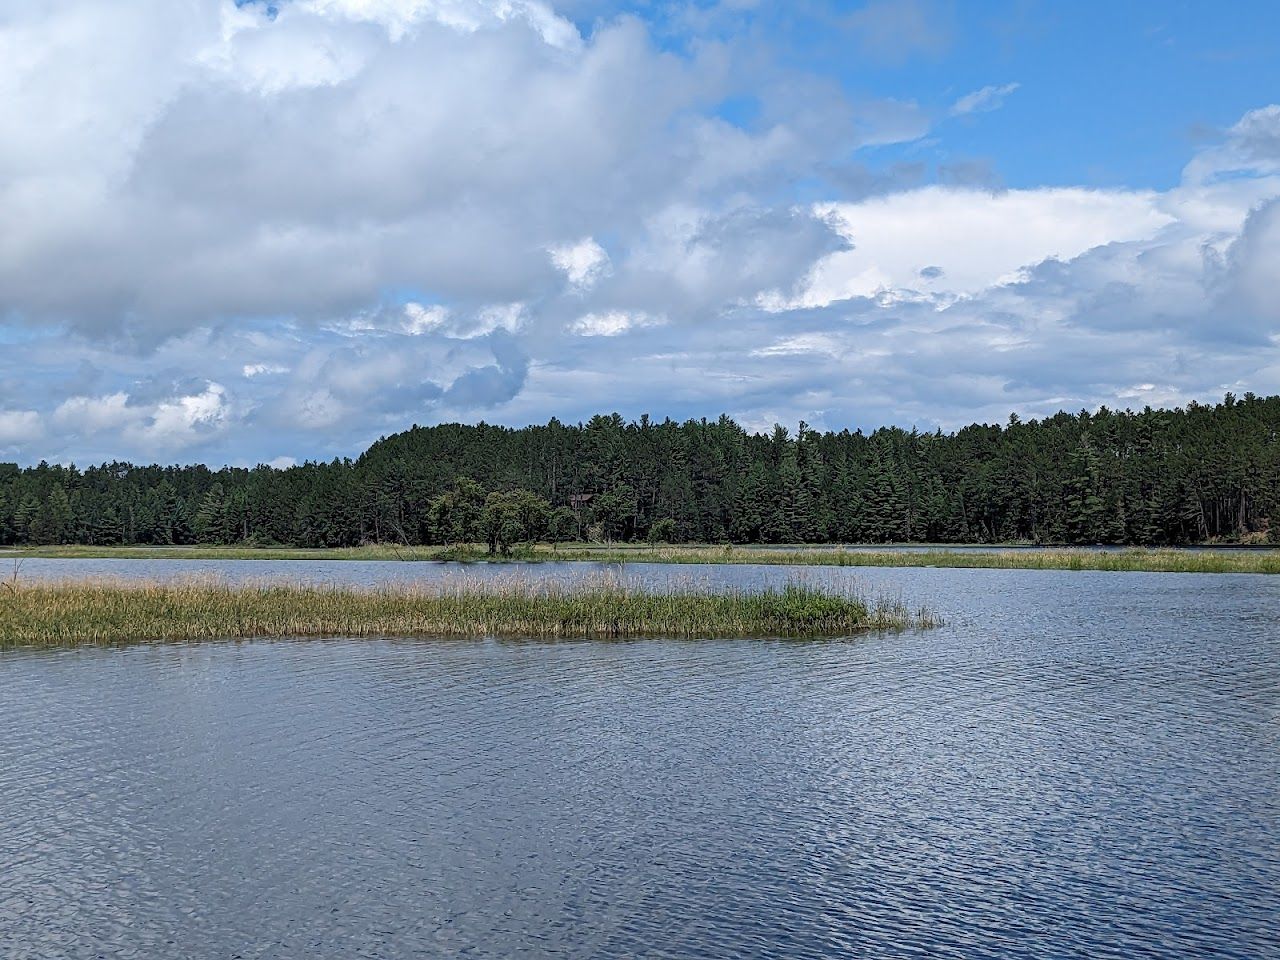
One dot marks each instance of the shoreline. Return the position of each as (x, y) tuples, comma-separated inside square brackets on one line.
[(1217, 559)]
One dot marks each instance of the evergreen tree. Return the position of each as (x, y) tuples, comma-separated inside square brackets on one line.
[(615, 512), (58, 520), (1086, 511), (1198, 474), (27, 520), (212, 522)]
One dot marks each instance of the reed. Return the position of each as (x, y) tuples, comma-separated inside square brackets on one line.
[(114, 612), (1167, 560), (1134, 560)]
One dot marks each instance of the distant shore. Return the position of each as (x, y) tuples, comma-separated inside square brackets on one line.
[(119, 611), (1151, 560)]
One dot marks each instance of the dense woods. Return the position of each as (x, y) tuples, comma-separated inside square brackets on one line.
[(1190, 475)]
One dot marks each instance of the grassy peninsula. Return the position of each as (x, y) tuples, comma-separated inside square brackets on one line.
[(116, 612), (1149, 560)]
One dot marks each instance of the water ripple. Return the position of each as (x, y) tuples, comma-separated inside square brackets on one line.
[(1076, 765)]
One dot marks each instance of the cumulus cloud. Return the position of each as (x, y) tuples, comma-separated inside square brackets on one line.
[(952, 305), (231, 232), (583, 262), (92, 414), (420, 319), (159, 428), (1249, 279), (466, 16), (223, 163), (960, 241), (19, 427), (183, 421)]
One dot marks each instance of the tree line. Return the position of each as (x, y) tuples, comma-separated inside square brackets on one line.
[(1191, 475)]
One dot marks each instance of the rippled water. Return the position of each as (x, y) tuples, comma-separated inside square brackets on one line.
[(1077, 764)]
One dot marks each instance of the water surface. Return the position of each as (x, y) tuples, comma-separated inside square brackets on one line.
[(1078, 764)]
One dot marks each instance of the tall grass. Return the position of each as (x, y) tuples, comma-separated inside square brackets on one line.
[(378, 551), (111, 612), (1131, 560)]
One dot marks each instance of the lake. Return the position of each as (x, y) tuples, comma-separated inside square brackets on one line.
[(1077, 764)]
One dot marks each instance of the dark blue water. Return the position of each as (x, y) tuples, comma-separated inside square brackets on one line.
[(1078, 764)]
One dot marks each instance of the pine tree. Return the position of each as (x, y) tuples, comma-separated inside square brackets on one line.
[(211, 521), (27, 519), (1086, 511)]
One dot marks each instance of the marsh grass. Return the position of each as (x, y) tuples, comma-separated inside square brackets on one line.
[(1132, 560), (114, 612), (1066, 558)]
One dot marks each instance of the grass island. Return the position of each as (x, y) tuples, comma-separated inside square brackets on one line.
[(117, 612)]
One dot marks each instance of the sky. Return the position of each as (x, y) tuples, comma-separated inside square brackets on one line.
[(269, 232)]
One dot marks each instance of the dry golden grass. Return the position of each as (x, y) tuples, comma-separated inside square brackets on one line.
[(111, 612), (1132, 560), (1148, 560)]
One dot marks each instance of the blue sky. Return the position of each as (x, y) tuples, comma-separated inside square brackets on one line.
[(237, 233), (1110, 94)]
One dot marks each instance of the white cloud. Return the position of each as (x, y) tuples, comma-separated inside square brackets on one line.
[(418, 320), (509, 317), (466, 16), (365, 213), (1251, 147), (611, 323), (976, 238), (980, 101), (583, 262), (424, 319), (92, 414), (252, 55), (175, 420), (155, 428), (19, 426), (800, 344), (263, 369), (1253, 264), (196, 167)]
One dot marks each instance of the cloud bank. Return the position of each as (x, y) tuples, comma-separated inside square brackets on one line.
[(241, 232)]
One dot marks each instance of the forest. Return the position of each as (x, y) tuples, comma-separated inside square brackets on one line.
[(1203, 473)]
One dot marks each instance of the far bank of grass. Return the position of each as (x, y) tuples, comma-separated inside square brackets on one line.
[(1130, 560), (117, 612)]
